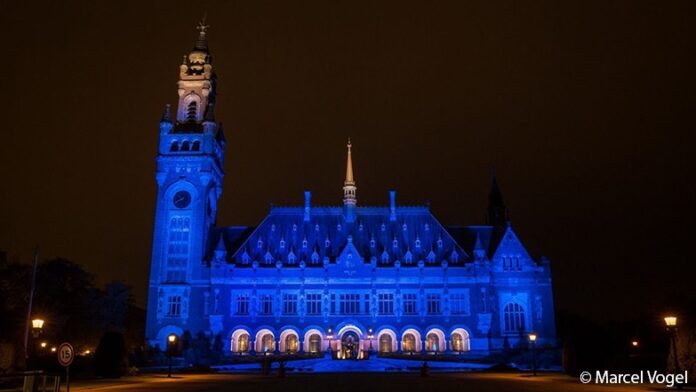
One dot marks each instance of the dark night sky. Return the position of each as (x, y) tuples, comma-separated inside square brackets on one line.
[(585, 109)]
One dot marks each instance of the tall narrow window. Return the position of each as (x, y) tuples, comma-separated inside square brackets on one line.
[(242, 304), (459, 303), (313, 304), (410, 307), (386, 304), (174, 306), (192, 111), (433, 303), (289, 304), (513, 314), (266, 307), (178, 249)]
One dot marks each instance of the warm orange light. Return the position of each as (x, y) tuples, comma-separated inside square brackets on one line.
[(532, 337), (53, 349), (43, 344), (671, 321), (171, 338), (37, 323), (634, 343), (87, 352)]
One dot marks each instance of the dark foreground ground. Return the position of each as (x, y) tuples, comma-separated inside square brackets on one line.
[(354, 382)]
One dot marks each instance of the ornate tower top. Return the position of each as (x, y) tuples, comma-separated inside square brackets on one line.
[(197, 88), (349, 188)]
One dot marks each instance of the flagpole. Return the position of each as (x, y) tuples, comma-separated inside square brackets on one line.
[(31, 302)]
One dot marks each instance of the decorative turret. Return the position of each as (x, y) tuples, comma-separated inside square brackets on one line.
[(349, 188), (196, 88), (497, 212)]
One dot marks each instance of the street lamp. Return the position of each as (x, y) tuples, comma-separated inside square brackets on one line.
[(634, 343), (671, 323), (36, 327), (370, 336), (43, 344), (532, 339), (171, 347), (329, 336)]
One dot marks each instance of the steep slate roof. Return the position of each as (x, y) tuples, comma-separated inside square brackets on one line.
[(489, 236), (284, 236)]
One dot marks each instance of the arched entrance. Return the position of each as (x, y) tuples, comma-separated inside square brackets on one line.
[(350, 345)]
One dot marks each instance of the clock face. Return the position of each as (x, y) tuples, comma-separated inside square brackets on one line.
[(182, 199)]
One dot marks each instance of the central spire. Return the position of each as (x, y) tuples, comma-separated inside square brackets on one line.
[(349, 188)]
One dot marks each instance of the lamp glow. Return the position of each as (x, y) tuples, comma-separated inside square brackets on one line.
[(634, 343), (532, 337), (171, 338), (671, 321), (37, 323), (43, 344)]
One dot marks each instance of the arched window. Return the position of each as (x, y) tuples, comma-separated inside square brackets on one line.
[(267, 343), (196, 146), (514, 317), (243, 343), (432, 342), (185, 146), (409, 343), (460, 341), (192, 111), (385, 343), (291, 343), (174, 146), (314, 343)]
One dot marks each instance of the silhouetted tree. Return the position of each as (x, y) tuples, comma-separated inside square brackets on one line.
[(111, 357)]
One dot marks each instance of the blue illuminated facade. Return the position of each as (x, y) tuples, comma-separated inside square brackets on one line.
[(352, 278)]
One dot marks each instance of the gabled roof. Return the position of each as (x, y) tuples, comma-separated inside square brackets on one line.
[(466, 236), (373, 235)]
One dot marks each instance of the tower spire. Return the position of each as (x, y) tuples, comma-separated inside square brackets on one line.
[(497, 212), (349, 188), (349, 167)]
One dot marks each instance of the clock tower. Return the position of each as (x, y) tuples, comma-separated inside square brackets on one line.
[(189, 183)]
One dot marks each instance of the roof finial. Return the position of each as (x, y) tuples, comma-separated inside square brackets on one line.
[(167, 115), (202, 41)]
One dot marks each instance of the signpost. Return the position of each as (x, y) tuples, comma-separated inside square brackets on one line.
[(66, 354)]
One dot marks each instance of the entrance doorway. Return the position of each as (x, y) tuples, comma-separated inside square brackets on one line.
[(350, 345)]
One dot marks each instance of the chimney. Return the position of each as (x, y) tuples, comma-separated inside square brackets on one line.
[(307, 205), (392, 206)]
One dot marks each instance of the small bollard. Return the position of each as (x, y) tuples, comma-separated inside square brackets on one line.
[(281, 369), (425, 369)]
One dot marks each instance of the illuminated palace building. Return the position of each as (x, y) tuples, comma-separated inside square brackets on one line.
[(308, 279)]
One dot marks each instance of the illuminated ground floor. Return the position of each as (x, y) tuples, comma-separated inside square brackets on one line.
[(349, 340)]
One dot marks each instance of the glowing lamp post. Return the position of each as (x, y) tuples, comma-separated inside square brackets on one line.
[(36, 327), (532, 340), (171, 347), (370, 336), (634, 343), (330, 336), (671, 323)]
